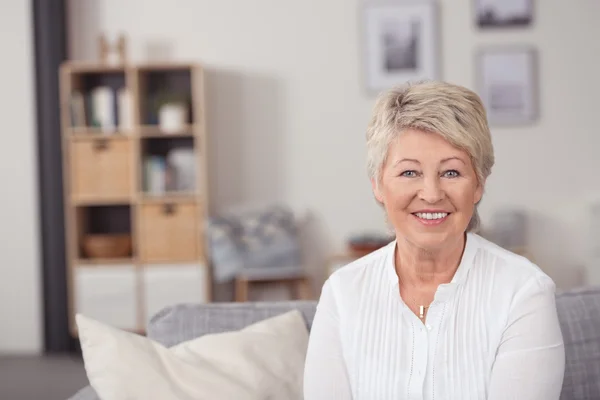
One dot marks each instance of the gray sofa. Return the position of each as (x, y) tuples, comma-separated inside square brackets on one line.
[(579, 313)]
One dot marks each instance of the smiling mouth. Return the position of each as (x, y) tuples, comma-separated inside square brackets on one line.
[(437, 216)]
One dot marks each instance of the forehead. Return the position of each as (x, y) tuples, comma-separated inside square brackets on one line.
[(417, 144)]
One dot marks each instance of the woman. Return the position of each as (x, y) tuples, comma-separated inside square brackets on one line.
[(439, 313)]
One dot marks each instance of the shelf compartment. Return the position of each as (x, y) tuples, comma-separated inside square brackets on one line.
[(97, 223), (169, 167), (169, 232), (108, 294), (169, 284), (101, 168), (99, 98), (157, 86)]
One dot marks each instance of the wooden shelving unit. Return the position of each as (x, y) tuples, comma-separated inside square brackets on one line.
[(152, 131), (110, 183)]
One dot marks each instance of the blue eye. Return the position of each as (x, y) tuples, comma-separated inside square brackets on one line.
[(409, 174), (451, 174)]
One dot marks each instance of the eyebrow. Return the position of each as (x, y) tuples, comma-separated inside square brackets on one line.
[(453, 158), (400, 161), (417, 161)]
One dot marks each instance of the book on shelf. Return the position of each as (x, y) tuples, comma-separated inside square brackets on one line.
[(155, 175), (103, 108), (77, 108), (124, 109), (173, 173)]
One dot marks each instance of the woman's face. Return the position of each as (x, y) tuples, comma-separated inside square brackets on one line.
[(429, 189)]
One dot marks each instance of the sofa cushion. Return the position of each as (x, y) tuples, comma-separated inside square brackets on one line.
[(579, 316), (183, 322), (240, 364)]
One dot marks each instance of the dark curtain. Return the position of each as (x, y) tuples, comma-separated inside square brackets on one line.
[(49, 33)]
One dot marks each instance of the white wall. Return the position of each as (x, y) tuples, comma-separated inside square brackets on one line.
[(288, 109), (20, 303)]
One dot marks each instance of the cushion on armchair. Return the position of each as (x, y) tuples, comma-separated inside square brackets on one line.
[(258, 239)]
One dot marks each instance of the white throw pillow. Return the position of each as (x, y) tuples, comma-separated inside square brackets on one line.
[(262, 361)]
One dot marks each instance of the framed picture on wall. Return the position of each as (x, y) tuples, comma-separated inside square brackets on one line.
[(507, 83), (504, 13), (400, 43)]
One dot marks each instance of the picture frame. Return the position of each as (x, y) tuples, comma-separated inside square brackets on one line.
[(400, 43), (493, 14), (507, 82)]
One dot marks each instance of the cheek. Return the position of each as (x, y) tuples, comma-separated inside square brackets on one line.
[(397, 194), (464, 195)]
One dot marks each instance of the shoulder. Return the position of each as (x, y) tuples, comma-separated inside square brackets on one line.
[(503, 285), (372, 264), (363, 274), (508, 271)]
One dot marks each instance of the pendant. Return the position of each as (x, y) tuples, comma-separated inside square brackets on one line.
[(421, 310)]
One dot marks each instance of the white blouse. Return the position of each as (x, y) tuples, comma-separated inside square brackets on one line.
[(492, 333)]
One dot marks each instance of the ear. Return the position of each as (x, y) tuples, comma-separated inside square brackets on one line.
[(377, 190), (479, 192)]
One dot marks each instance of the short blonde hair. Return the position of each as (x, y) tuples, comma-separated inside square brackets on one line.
[(451, 111)]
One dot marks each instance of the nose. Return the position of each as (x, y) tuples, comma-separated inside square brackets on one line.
[(431, 192)]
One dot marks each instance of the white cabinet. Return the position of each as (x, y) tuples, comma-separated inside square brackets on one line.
[(167, 285), (107, 294)]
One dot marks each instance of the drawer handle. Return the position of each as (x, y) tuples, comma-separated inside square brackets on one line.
[(100, 144), (169, 209)]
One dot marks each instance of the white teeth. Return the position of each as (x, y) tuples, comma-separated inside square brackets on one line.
[(431, 215)]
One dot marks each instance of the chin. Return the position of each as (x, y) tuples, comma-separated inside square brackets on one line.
[(430, 241)]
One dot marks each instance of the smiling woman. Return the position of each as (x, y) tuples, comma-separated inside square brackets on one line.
[(429, 189), (440, 311)]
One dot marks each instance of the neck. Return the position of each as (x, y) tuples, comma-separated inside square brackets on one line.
[(425, 266)]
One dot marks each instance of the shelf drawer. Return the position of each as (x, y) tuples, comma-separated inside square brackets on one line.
[(169, 284), (101, 169), (169, 232), (107, 294)]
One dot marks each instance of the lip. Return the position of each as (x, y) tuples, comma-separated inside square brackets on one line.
[(431, 222)]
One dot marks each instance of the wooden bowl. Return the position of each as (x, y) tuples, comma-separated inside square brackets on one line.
[(107, 245)]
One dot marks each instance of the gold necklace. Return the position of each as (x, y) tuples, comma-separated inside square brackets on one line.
[(421, 310), (422, 307)]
